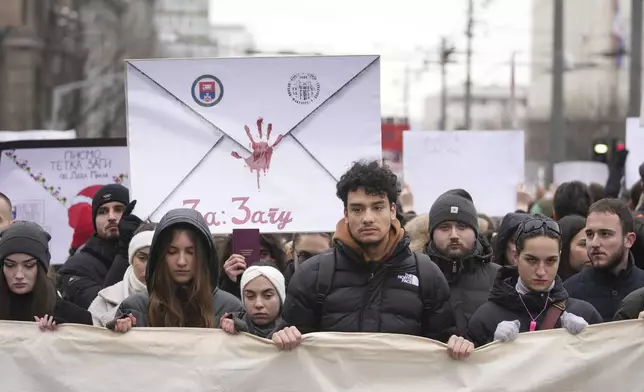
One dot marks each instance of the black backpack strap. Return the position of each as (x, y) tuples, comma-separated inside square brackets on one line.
[(325, 277), (424, 279)]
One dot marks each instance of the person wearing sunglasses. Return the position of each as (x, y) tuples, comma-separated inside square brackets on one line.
[(530, 296)]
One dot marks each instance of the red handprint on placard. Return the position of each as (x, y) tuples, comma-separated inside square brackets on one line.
[(262, 152)]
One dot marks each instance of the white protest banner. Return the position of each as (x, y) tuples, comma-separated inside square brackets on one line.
[(635, 147), (587, 172), (606, 357), (51, 182), (250, 142), (488, 164)]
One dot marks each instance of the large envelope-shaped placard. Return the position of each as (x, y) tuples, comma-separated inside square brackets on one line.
[(250, 142)]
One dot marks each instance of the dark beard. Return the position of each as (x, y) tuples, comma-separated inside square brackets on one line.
[(614, 260)]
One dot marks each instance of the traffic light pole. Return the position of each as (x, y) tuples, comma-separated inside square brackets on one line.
[(635, 77)]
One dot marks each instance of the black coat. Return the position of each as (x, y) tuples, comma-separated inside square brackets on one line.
[(64, 312), (470, 280), (370, 297), (117, 271), (82, 276), (638, 247), (68, 313), (604, 290), (505, 304), (631, 306)]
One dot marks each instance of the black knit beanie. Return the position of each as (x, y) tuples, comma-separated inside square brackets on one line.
[(108, 194), (26, 237), (453, 207), (459, 192)]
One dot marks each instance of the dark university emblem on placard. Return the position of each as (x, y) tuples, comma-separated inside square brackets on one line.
[(303, 88), (207, 90)]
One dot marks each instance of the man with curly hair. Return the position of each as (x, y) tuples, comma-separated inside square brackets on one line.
[(370, 281)]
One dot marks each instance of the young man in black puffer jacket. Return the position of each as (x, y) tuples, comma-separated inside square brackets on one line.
[(371, 281)]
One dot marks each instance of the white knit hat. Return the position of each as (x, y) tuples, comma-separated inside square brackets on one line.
[(271, 273), (139, 241)]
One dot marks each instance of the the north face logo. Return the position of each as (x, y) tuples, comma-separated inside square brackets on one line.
[(409, 279), (453, 210)]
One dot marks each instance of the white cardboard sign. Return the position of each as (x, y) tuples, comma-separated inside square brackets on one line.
[(488, 164), (47, 185), (635, 146), (585, 171), (250, 142)]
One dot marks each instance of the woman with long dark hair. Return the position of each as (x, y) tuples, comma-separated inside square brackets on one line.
[(181, 276), (26, 292), (574, 256)]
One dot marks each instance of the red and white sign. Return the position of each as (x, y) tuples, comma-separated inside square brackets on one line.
[(266, 152)]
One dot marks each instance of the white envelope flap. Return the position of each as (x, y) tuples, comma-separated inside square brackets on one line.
[(173, 139), (358, 138), (281, 90)]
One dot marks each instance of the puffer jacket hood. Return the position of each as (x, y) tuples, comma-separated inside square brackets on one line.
[(481, 254), (504, 293), (183, 216), (507, 229)]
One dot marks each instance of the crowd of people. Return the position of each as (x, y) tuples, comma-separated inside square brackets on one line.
[(450, 275)]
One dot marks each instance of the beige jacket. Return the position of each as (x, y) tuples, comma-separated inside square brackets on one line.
[(104, 306)]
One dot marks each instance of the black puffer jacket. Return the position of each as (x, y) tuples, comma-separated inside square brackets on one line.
[(604, 290), (505, 305), (470, 280), (380, 296), (82, 276), (507, 230)]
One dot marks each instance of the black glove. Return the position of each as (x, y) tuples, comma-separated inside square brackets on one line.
[(619, 159), (127, 226)]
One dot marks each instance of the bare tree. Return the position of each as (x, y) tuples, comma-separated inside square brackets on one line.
[(113, 30)]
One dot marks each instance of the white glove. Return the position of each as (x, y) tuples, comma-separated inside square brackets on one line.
[(573, 324), (507, 330)]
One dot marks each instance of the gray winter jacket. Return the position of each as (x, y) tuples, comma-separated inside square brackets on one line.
[(222, 302), (137, 305)]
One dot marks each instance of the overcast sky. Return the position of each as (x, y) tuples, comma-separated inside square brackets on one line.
[(404, 32)]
